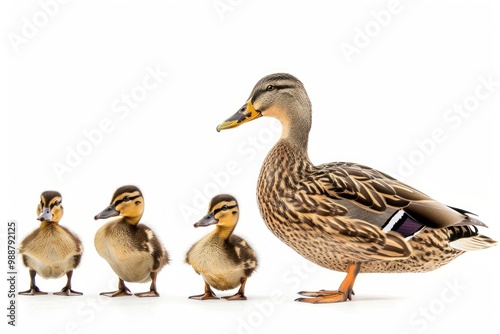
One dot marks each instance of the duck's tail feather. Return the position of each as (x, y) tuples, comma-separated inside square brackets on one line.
[(470, 218), (466, 238)]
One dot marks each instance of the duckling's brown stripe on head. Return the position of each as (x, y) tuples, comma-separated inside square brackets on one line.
[(55, 201), (50, 195), (216, 211), (222, 198), (126, 199), (126, 189), (50, 199)]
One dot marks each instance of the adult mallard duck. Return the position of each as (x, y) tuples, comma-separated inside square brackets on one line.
[(345, 216), (51, 250), (223, 259), (132, 250)]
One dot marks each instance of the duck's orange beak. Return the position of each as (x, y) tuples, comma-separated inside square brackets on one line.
[(245, 114)]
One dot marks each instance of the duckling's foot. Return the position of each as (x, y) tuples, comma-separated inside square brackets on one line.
[(236, 296), (117, 293), (205, 296), (67, 291), (122, 290), (209, 294), (32, 292), (152, 293), (240, 295), (152, 289)]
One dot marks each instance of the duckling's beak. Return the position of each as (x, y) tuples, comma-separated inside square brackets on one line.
[(245, 114), (110, 211), (45, 215), (208, 220)]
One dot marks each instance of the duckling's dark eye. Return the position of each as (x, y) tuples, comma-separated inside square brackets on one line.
[(270, 88), (57, 203), (224, 208), (126, 199)]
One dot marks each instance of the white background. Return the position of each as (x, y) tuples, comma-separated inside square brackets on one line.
[(71, 73)]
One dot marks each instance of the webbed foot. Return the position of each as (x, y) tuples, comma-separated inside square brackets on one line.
[(67, 291), (32, 292), (343, 294)]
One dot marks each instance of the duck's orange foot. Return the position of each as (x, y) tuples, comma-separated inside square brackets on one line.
[(151, 293), (324, 296), (341, 295)]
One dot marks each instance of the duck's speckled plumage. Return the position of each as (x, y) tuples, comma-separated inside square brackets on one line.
[(223, 259), (322, 226), (345, 216)]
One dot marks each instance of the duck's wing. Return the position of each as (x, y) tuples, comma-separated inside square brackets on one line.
[(377, 192), (240, 252), (146, 240), (77, 244), (321, 216), (371, 212)]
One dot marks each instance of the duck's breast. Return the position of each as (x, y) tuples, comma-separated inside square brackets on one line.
[(209, 257), (129, 259), (51, 251)]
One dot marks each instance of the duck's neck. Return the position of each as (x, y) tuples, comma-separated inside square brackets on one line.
[(45, 224), (223, 232), (296, 127), (132, 220)]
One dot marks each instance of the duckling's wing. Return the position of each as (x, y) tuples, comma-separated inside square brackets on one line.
[(377, 192), (146, 240), (46, 243), (26, 242), (78, 248), (241, 253)]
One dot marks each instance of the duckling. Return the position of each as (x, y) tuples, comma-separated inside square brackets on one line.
[(51, 250), (132, 250), (223, 259), (345, 216)]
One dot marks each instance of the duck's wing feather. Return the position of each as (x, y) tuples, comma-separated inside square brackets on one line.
[(240, 252), (378, 192), (371, 212), (327, 218), (146, 240)]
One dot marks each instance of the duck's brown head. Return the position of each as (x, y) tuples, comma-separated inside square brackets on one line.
[(128, 202), (50, 208)]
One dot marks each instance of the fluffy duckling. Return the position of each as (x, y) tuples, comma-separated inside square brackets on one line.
[(345, 216), (132, 250), (51, 250), (223, 259)]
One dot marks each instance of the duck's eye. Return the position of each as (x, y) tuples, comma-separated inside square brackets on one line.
[(270, 88), (224, 208), (126, 199), (57, 203)]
